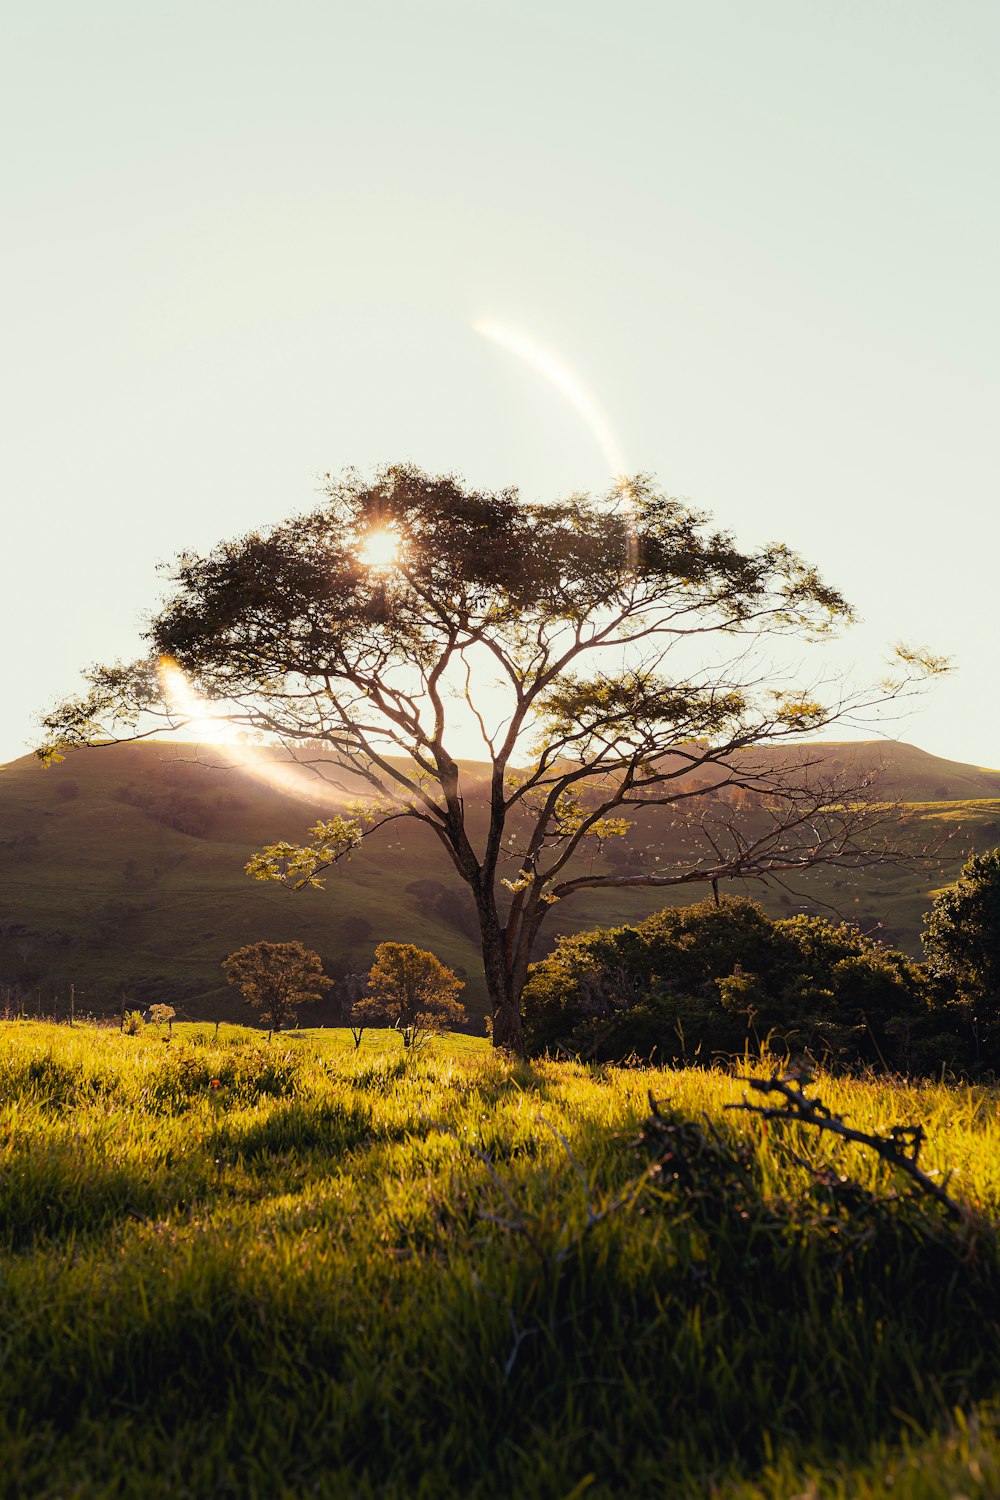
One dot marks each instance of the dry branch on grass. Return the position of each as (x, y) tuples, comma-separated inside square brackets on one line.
[(900, 1148)]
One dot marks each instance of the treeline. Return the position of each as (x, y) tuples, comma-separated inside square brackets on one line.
[(179, 809), (693, 983)]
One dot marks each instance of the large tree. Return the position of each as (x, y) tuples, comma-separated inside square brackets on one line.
[(608, 649)]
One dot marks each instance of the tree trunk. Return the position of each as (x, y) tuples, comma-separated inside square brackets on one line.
[(505, 1005)]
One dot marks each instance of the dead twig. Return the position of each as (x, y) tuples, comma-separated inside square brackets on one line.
[(900, 1149)]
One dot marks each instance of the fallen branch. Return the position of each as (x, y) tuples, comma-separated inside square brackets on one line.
[(900, 1148)]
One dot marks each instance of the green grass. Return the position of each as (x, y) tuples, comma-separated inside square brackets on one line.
[(234, 1267)]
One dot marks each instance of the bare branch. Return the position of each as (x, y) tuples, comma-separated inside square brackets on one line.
[(900, 1149)]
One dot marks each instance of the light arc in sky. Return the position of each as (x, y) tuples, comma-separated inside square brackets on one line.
[(565, 382), (217, 727)]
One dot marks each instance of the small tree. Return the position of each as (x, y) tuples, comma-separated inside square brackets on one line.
[(352, 989), (161, 1015), (411, 989), (962, 933), (276, 978)]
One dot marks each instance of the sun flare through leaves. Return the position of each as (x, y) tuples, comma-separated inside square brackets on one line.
[(381, 549)]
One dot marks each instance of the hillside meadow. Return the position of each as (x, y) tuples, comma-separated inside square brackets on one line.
[(124, 866), (234, 1266)]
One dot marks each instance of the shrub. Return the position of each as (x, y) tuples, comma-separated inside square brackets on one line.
[(962, 933), (962, 941), (356, 929), (710, 978)]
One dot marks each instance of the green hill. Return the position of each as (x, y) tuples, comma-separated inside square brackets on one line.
[(124, 866)]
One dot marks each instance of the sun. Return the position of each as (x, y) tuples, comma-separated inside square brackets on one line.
[(380, 549)]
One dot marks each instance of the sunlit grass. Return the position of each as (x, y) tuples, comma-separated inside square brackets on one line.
[(234, 1265)]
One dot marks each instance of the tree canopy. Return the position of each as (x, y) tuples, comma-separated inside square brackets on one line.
[(703, 979), (962, 933), (607, 648)]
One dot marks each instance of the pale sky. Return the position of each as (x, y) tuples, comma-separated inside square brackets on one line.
[(249, 243)]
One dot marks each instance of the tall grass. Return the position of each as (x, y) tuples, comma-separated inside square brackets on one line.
[(234, 1267)]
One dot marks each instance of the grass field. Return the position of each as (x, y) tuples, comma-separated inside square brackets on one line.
[(239, 1268)]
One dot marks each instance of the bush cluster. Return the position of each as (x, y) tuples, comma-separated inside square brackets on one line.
[(691, 983)]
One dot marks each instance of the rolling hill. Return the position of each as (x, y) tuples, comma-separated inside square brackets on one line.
[(124, 866)]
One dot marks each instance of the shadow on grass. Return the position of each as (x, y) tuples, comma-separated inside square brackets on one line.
[(328, 1128), (57, 1191), (655, 1343)]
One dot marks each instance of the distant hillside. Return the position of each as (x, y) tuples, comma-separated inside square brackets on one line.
[(908, 773), (124, 865)]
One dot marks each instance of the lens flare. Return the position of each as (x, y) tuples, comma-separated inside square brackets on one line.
[(218, 725), (206, 719), (565, 382), (569, 385)]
